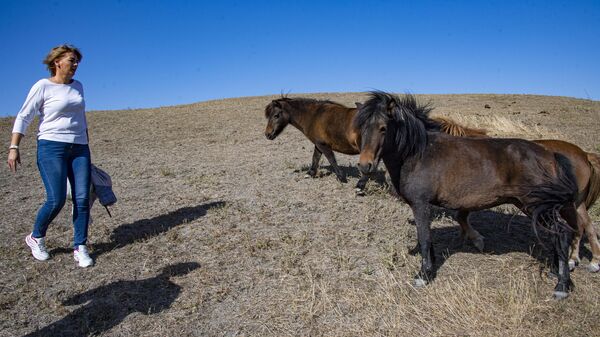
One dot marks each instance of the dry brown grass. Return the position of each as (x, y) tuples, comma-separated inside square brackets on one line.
[(502, 126), (270, 253)]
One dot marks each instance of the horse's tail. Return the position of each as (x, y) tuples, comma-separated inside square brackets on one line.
[(549, 198), (594, 186), (451, 127)]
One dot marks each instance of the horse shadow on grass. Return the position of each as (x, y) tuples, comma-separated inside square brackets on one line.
[(327, 170), (146, 228), (503, 234), (107, 306), (349, 171)]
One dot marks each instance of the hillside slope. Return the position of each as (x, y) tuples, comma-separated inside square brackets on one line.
[(270, 253)]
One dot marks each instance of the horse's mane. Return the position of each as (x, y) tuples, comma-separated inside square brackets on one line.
[(300, 103), (411, 120), (453, 128)]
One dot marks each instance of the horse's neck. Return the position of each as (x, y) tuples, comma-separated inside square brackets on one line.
[(393, 163), (400, 164), (400, 171), (299, 116), (295, 122)]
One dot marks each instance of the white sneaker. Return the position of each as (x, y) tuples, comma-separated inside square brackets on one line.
[(82, 256), (38, 247)]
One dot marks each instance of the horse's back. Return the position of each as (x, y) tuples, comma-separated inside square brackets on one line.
[(477, 173), (503, 151), (563, 147), (332, 125)]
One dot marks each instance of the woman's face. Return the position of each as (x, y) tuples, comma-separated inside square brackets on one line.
[(67, 64)]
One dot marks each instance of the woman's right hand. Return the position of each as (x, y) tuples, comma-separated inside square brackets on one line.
[(14, 158)]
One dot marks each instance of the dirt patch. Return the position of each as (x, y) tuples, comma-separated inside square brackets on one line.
[(217, 232)]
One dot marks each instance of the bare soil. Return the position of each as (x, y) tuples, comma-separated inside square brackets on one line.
[(218, 233)]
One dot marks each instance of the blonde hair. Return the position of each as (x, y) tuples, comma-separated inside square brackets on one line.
[(56, 53)]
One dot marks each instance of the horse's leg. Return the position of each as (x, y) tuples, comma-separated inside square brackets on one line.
[(466, 230), (592, 236), (360, 185), (576, 243), (422, 215), (561, 248), (326, 150), (312, 172), (562, 240)]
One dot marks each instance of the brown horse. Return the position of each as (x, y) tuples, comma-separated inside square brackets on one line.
[(586, 167), (327, 124), (467, 174)]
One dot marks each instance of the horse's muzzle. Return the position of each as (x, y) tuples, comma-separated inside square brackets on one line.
[(367, 167)]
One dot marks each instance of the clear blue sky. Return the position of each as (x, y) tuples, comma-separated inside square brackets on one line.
[(157, 53)]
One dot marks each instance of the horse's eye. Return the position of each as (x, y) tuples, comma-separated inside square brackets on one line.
[(275, 116), (382, 129)]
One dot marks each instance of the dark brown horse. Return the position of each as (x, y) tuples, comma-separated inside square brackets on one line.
[(327, 124), (467, 174), (586, 167)]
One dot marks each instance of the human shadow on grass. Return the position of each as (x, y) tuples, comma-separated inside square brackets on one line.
[(146, 228), (107, 306), (503, 234)]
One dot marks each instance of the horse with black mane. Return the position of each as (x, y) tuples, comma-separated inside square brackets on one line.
[(467, 174), (586, 167)]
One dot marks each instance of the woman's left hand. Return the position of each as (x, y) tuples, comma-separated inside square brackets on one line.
[(14, 159)]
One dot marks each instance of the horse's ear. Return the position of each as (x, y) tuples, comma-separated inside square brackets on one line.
[(359, 105), (390, 107)]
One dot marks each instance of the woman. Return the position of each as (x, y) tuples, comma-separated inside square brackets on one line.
[(62, 149)]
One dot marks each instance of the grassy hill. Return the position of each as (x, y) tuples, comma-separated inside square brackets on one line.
[(218, 233)]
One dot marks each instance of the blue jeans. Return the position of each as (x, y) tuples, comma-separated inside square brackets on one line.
[(57, 162)]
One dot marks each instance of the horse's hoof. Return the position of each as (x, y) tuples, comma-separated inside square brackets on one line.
[(593, 267), (419, 283), (478, 243), (560, 295), (306, 176), (359, 192), (573, 263)]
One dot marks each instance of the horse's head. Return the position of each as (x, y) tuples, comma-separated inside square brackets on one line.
[(391, 123), (372, 120), (278, 117)]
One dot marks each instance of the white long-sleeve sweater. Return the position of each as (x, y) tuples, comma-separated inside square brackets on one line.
[(61, 108)]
